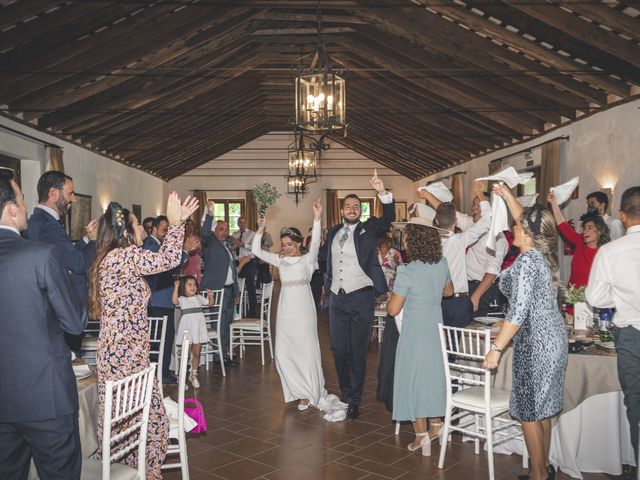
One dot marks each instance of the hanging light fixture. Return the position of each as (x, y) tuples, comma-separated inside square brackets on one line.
[(304, 159), (320, 95), (297, 186)]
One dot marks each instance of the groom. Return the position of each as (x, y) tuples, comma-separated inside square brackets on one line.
[(354, 279)]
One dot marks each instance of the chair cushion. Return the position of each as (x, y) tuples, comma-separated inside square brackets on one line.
[(92, 470), (473, 399), (246, 322)]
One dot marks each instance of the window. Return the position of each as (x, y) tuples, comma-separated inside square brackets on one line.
[(532, 186), (12, 164), (229, 211), (366, 206)]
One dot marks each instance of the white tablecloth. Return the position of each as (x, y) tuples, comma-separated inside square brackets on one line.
[(593, 437)]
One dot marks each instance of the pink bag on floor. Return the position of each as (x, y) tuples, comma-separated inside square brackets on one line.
[(193, 408)]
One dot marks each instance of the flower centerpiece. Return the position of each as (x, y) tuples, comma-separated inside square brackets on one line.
[(265, 195), (582, 313)]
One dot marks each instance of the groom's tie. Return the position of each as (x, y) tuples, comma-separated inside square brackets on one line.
[(344, 236)]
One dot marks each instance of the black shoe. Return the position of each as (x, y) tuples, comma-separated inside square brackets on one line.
[(629, 472), (170, 380), (353, 412), (231, 363)]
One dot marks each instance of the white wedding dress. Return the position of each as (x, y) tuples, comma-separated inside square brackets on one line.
[(297, 350)]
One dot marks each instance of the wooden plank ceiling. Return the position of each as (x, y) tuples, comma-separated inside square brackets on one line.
[(166, 86)]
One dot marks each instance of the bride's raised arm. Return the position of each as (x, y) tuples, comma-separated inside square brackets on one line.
[(256, 246), (316, 232)]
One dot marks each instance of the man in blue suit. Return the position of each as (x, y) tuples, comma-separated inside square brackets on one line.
[(38, 395), (55, 196), (220, 273), (354, 279)]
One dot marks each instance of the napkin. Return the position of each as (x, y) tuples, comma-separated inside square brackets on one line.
[(81, 371), (398, 319), (499, 220), (563, 192), (510, 177), (439, 190), (528, 200), (423, 211)]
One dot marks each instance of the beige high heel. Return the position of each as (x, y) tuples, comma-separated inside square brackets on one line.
[(425, 444), (437, 436)]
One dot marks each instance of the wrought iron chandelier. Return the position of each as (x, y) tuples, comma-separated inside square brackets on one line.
[(320, 93)]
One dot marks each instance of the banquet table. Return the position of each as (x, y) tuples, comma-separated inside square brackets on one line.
[(592, 433), (87, 418)]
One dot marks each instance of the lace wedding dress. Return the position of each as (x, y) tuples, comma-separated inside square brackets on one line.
[(297, 350)]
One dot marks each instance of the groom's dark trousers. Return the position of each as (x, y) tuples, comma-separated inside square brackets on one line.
[(350, 326)]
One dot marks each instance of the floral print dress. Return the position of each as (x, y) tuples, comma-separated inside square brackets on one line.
[(123, 342)]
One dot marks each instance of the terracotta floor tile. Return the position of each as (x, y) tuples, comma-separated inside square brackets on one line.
[(336, 471), (212, 459), (244, 469), (247, 446), (382, 469)]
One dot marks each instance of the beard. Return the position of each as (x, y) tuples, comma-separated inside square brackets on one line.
[(62, 205), (350, 222)]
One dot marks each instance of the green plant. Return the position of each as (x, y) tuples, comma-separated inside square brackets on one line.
[(265, 195), (574, 294)]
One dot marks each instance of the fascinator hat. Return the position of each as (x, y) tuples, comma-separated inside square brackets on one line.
[(119, 219)]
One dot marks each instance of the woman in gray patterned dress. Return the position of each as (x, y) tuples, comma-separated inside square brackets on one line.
[(537, 329)]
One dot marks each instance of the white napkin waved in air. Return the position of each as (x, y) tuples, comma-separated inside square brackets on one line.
[(499, 220), (423, 211), (527, 201), (563, 192), (439, 190), (510, 177)]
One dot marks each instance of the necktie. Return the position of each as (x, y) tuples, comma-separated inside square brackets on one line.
[(344, 236)]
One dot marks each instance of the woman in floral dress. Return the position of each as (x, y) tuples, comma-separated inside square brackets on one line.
[(118, 296)]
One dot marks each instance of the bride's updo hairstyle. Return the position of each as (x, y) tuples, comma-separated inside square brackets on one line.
[(295, 235)]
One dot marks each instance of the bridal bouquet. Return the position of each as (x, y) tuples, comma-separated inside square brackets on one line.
[(265, 195)]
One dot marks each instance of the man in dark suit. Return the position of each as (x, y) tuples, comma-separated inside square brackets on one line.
[(220, 273), (161, 301), (38, 395), (55, 196), (354, 279)]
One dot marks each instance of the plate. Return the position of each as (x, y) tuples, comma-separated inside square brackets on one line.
[(487, 320), (81, 371)]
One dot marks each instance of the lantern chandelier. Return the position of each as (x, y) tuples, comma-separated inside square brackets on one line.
[(320, 96), (304, 163)]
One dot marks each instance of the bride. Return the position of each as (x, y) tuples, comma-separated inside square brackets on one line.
[(297, 351)]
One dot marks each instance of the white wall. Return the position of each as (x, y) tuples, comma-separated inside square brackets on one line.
[(603, 150), (265, 160), (102, 178)]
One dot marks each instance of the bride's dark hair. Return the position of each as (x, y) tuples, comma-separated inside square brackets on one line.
[(294, 234)]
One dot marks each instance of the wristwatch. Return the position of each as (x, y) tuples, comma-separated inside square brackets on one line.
[(494, 348)]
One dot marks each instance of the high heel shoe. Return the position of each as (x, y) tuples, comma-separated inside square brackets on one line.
[(438, 434), (425, 444)]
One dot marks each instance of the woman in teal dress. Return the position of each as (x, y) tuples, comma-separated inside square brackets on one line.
[(419, 380)]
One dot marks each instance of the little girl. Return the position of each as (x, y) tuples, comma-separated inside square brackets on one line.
[(185, 295)]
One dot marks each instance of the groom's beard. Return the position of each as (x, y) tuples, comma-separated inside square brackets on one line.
[(350, 222)]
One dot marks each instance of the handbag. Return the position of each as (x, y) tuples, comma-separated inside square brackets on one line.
[(193, 408)]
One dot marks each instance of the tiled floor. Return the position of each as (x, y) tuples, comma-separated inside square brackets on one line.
[(253, 434)]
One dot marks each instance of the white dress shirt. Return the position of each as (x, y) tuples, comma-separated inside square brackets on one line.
[(247, 241), (7, 227), (454, 248), (616, 228), (479, 258), (614, 280), (56, 215)]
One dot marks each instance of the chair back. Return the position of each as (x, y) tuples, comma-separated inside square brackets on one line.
[(157, 333), (265, 303), (242, 308), (213, 314), (463, 353), (182, 379), (126, 402)]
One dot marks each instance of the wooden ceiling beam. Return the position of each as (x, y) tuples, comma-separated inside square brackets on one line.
[(530, 48), (17, 12), (582, 30), (433, 33), (605, 14)]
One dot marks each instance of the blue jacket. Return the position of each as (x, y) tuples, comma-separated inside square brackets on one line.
[(216, 261), (366, 237), (161, 284), (77, 257), (37, 305)]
